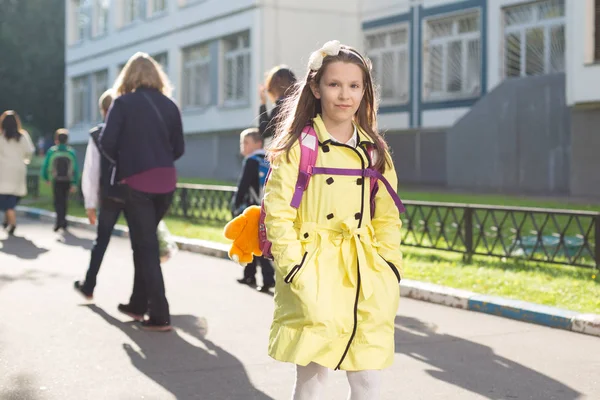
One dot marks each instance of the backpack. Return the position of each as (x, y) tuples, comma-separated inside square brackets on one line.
[(263, 171), (62, 167), (309, 148)]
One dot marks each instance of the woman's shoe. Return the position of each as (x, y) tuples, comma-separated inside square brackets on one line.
[(11, 229), (127, 310), (79, 288)]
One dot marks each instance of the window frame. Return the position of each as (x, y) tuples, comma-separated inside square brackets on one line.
[(96, 92), (139, 6), (152, 11), (428, 94), (101, 10), (86, 10), (397, 50), (226, 55), (189, 92), (160, 55), (547, 24), (82, 93)]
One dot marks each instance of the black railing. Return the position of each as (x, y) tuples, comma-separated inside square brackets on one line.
[(33, 185), (204, 204), (547, 235)]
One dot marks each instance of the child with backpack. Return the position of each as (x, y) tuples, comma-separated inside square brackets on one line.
[(249, 192), (60, 169), (332, 217)]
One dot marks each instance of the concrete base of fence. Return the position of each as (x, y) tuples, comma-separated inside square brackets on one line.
[(588, 324)]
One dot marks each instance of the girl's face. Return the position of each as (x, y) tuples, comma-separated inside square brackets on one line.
[(340, 90)]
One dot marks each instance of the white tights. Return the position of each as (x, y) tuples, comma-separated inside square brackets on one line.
[(310, 380)]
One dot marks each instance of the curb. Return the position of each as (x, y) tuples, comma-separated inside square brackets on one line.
[(588, 324)]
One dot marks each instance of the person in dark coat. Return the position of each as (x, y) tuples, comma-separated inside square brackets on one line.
[(144, 135)]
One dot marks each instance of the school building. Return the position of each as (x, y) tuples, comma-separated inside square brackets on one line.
[(493, 95)]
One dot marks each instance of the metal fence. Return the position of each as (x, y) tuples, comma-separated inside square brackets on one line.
[(546, 235), (33, 185)]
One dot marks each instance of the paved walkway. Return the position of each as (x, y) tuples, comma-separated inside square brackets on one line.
[(54, 346)]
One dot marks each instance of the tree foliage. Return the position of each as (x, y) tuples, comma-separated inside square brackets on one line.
[(32, 65)]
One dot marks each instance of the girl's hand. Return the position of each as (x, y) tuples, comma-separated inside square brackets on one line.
[(262, 92)]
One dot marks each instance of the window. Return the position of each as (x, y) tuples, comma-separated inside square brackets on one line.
[(388, 51), (534, 38), (196, 77), (99, 86), (83, 12), (236, 77), (101, 12), (163, 60), (157, 6), (452, 57), (80, 99), (133, 10)]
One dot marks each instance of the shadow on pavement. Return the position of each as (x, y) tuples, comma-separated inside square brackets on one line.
[(22, 387), (188, 371), (21, 247), (70, 239), (473, 366)]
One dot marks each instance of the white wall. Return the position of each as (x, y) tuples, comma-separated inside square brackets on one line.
[(442, 118), (376, 9), (292, 30), (583, 76), (393, 121)]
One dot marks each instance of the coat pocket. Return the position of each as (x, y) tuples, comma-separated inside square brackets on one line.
[(393, 267), (294, 271)]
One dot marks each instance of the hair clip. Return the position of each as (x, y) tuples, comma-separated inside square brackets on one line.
[(331, 48)]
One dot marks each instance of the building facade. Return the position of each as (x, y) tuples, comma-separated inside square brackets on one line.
[(215, 53), (453, 74), (583, 96), (475, 94)]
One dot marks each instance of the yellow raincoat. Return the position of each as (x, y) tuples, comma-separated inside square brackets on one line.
[(337, 269)]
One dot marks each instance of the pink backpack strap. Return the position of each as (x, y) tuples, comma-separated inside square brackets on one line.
[(309, 148)]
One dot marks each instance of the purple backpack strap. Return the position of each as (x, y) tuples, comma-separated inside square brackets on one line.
[(309, 148), (373, 173)]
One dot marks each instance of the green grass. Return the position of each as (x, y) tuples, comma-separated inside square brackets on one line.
[(573, 288), (199, 181)]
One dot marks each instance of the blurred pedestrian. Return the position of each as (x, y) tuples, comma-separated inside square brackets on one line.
[(61, 171), (144, 135), (98, 193), (249, 192), (16, 150), (278, 85)]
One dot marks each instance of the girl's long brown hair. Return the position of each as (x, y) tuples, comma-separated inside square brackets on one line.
[(301, 106)]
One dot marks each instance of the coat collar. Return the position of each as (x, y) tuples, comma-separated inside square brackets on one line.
[(325, 137)]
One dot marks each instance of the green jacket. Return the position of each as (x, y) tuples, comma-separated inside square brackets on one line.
[(55, 151)]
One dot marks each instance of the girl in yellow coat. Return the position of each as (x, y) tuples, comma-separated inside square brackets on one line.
[(338, 267)]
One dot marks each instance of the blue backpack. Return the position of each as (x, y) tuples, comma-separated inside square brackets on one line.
[(263, 171)]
